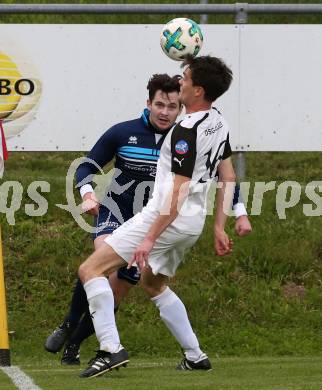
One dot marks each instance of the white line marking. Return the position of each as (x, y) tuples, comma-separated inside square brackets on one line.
[(130, 366), (134, 366), (19, 378)]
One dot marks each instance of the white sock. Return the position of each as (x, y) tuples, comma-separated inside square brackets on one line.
[(101, 306), (174, 315)]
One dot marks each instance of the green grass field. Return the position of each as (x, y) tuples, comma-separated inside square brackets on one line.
[(228, 374), (263, 300), (258, 312)]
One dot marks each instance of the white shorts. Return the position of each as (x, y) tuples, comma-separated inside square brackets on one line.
[(168, 250)]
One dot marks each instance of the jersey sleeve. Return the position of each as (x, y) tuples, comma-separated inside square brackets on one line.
[(183, 151), (238, 203), (227, 150), (102, 153)]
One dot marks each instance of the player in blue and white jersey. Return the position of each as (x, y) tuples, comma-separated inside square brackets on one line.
[(135, 146), (155, 239)]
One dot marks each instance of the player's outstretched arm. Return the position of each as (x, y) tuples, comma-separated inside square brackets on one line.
[(222, 243), (101, 154)]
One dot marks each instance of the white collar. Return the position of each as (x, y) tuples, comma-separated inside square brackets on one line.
[(197, 114)]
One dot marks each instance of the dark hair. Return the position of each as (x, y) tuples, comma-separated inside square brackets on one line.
[(163, 82), (210, 73)]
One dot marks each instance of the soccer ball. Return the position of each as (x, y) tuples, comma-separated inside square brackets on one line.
[(179, 37)]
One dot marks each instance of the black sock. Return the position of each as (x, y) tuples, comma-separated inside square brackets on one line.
[(79, 304), (84, 329)]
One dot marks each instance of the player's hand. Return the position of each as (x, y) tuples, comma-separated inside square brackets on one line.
[(223, 244), (90, 203), (141, 254), (242, 226)]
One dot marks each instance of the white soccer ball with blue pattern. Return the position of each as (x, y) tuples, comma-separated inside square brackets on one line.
[(180, 37)]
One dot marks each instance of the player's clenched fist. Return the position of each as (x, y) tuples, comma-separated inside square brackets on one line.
[(243, 226)]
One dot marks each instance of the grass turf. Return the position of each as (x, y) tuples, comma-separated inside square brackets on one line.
[(265, 373)]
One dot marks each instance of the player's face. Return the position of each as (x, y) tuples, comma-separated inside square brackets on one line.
[(187, 90), (164, 109)]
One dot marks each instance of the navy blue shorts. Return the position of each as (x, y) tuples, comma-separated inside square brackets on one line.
[(131, 275), (106, 223)]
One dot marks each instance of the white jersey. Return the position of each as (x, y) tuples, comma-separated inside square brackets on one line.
[(193, 148)]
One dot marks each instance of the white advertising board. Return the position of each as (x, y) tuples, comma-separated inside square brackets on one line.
[(281, 87), (89, 77)]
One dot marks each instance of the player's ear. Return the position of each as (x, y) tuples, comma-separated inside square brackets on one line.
[(149, 104), (199, 91)]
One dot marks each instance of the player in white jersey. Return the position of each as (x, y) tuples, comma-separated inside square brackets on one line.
[(172, 221)]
